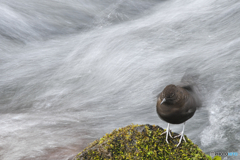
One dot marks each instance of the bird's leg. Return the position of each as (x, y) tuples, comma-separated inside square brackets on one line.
[(167, 132), (181, 135)]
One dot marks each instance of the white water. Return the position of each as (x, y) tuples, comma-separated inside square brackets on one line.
[(72, 71)]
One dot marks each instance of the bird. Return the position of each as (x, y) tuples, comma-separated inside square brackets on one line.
[(175, 105)]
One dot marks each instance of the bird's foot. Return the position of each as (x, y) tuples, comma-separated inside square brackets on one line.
[(181, 135), (167, 132)]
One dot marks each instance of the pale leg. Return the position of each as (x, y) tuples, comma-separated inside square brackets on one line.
[(167, 132), (182, 135)]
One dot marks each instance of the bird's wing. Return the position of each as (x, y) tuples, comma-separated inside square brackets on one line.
[(190, 106), (188, 87)]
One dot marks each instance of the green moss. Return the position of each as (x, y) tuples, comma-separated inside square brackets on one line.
[(217, 158), (141, 142)]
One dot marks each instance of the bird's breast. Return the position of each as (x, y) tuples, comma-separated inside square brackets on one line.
[(174, 114)]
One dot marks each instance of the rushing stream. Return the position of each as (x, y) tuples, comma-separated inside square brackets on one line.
[(71, 71)]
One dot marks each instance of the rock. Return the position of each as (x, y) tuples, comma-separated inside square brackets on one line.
[(140, 142)]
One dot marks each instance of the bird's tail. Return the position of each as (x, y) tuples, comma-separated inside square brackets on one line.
[(190, 77), (190, 82)]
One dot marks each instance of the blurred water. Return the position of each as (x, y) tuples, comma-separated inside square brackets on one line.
[(73, 71)]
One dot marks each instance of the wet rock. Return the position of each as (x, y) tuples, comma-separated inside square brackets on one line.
[(140, 142)]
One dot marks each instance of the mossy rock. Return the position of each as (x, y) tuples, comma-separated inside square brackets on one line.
[(141, 142)]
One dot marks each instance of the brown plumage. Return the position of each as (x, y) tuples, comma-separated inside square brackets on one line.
[(176, 105)]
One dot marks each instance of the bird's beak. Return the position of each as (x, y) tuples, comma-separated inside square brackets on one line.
[(164, 100)]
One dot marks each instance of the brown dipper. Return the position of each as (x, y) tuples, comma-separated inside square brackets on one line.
[(176, 105)]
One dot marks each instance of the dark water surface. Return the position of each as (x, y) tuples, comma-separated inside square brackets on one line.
[(71, 71)]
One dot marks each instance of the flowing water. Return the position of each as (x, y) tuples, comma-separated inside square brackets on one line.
[(71, 71)]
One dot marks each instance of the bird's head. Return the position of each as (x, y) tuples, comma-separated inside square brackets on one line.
[(169, 94)]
